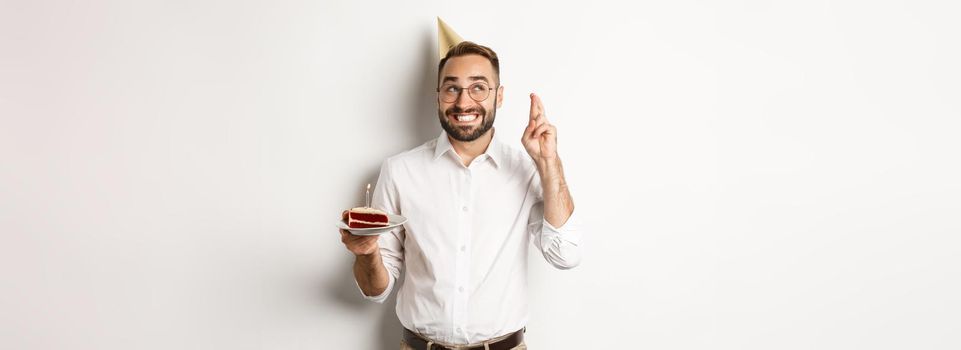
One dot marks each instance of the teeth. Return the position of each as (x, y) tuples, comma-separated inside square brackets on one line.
[(466, 118)]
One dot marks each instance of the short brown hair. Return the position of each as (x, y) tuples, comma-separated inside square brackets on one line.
[(465, 48)]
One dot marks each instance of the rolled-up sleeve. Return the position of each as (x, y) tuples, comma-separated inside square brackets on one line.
[(383, 296), (561, 246), (385, 197)]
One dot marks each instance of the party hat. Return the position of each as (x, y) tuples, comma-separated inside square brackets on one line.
[(446, 38)]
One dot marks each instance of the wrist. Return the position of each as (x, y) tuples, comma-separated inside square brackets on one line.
[(548, 162), (369, 258), (550, 168)]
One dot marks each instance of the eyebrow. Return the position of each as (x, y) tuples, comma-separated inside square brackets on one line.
[(472, 78), (480, 77)]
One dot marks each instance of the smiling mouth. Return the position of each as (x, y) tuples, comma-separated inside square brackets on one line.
[(465, 118)]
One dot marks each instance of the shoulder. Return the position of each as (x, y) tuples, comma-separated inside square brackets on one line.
[(515, 159), (412, 157)]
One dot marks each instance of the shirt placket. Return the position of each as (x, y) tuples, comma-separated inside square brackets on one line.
[(463, 254)]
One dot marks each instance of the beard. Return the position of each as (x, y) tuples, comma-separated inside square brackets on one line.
[(466, 133)]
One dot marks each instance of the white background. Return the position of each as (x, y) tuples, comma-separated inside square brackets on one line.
[(752, 175)]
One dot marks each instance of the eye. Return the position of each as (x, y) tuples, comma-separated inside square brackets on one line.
[(450, 89), (478, 87)]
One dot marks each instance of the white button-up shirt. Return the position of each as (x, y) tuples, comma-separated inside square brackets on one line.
[(465, 245)]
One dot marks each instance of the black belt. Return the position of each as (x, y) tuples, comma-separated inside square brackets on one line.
[(512, 341)]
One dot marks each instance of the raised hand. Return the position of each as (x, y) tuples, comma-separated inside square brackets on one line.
[(540, 137)]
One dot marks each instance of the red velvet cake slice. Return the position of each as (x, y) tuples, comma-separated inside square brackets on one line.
[(361, 217)]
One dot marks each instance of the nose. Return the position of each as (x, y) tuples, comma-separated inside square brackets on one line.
[(464, 100)]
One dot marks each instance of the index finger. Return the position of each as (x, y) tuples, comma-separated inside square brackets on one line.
[(533, 108)]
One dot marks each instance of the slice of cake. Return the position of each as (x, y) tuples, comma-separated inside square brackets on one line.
[(361, 217)]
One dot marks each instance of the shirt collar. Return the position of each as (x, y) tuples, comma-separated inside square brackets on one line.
[(493, 151)]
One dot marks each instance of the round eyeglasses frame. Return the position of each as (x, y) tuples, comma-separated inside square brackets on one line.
[(448, 97)]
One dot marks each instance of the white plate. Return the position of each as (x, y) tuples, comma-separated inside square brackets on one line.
[(392, 222)]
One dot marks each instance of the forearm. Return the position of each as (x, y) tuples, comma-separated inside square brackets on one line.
[(371, 274), (558, 204)]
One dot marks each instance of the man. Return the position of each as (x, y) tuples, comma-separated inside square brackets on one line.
[(473, 204)]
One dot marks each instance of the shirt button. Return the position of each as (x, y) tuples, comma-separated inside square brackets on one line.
[(459, 330), (461, 289), (464, 208), (463, 248)]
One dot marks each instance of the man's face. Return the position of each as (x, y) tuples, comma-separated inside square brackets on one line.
[(465, 119)]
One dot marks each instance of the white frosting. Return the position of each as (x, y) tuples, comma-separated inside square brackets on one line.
[(370, 223), (366, 210)]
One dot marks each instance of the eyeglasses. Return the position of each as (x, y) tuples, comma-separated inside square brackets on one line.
[(477, 92)]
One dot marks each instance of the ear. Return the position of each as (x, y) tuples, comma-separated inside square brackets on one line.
[(500, 96)]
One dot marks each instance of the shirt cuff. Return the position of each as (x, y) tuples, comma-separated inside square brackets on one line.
[(567, 232)]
